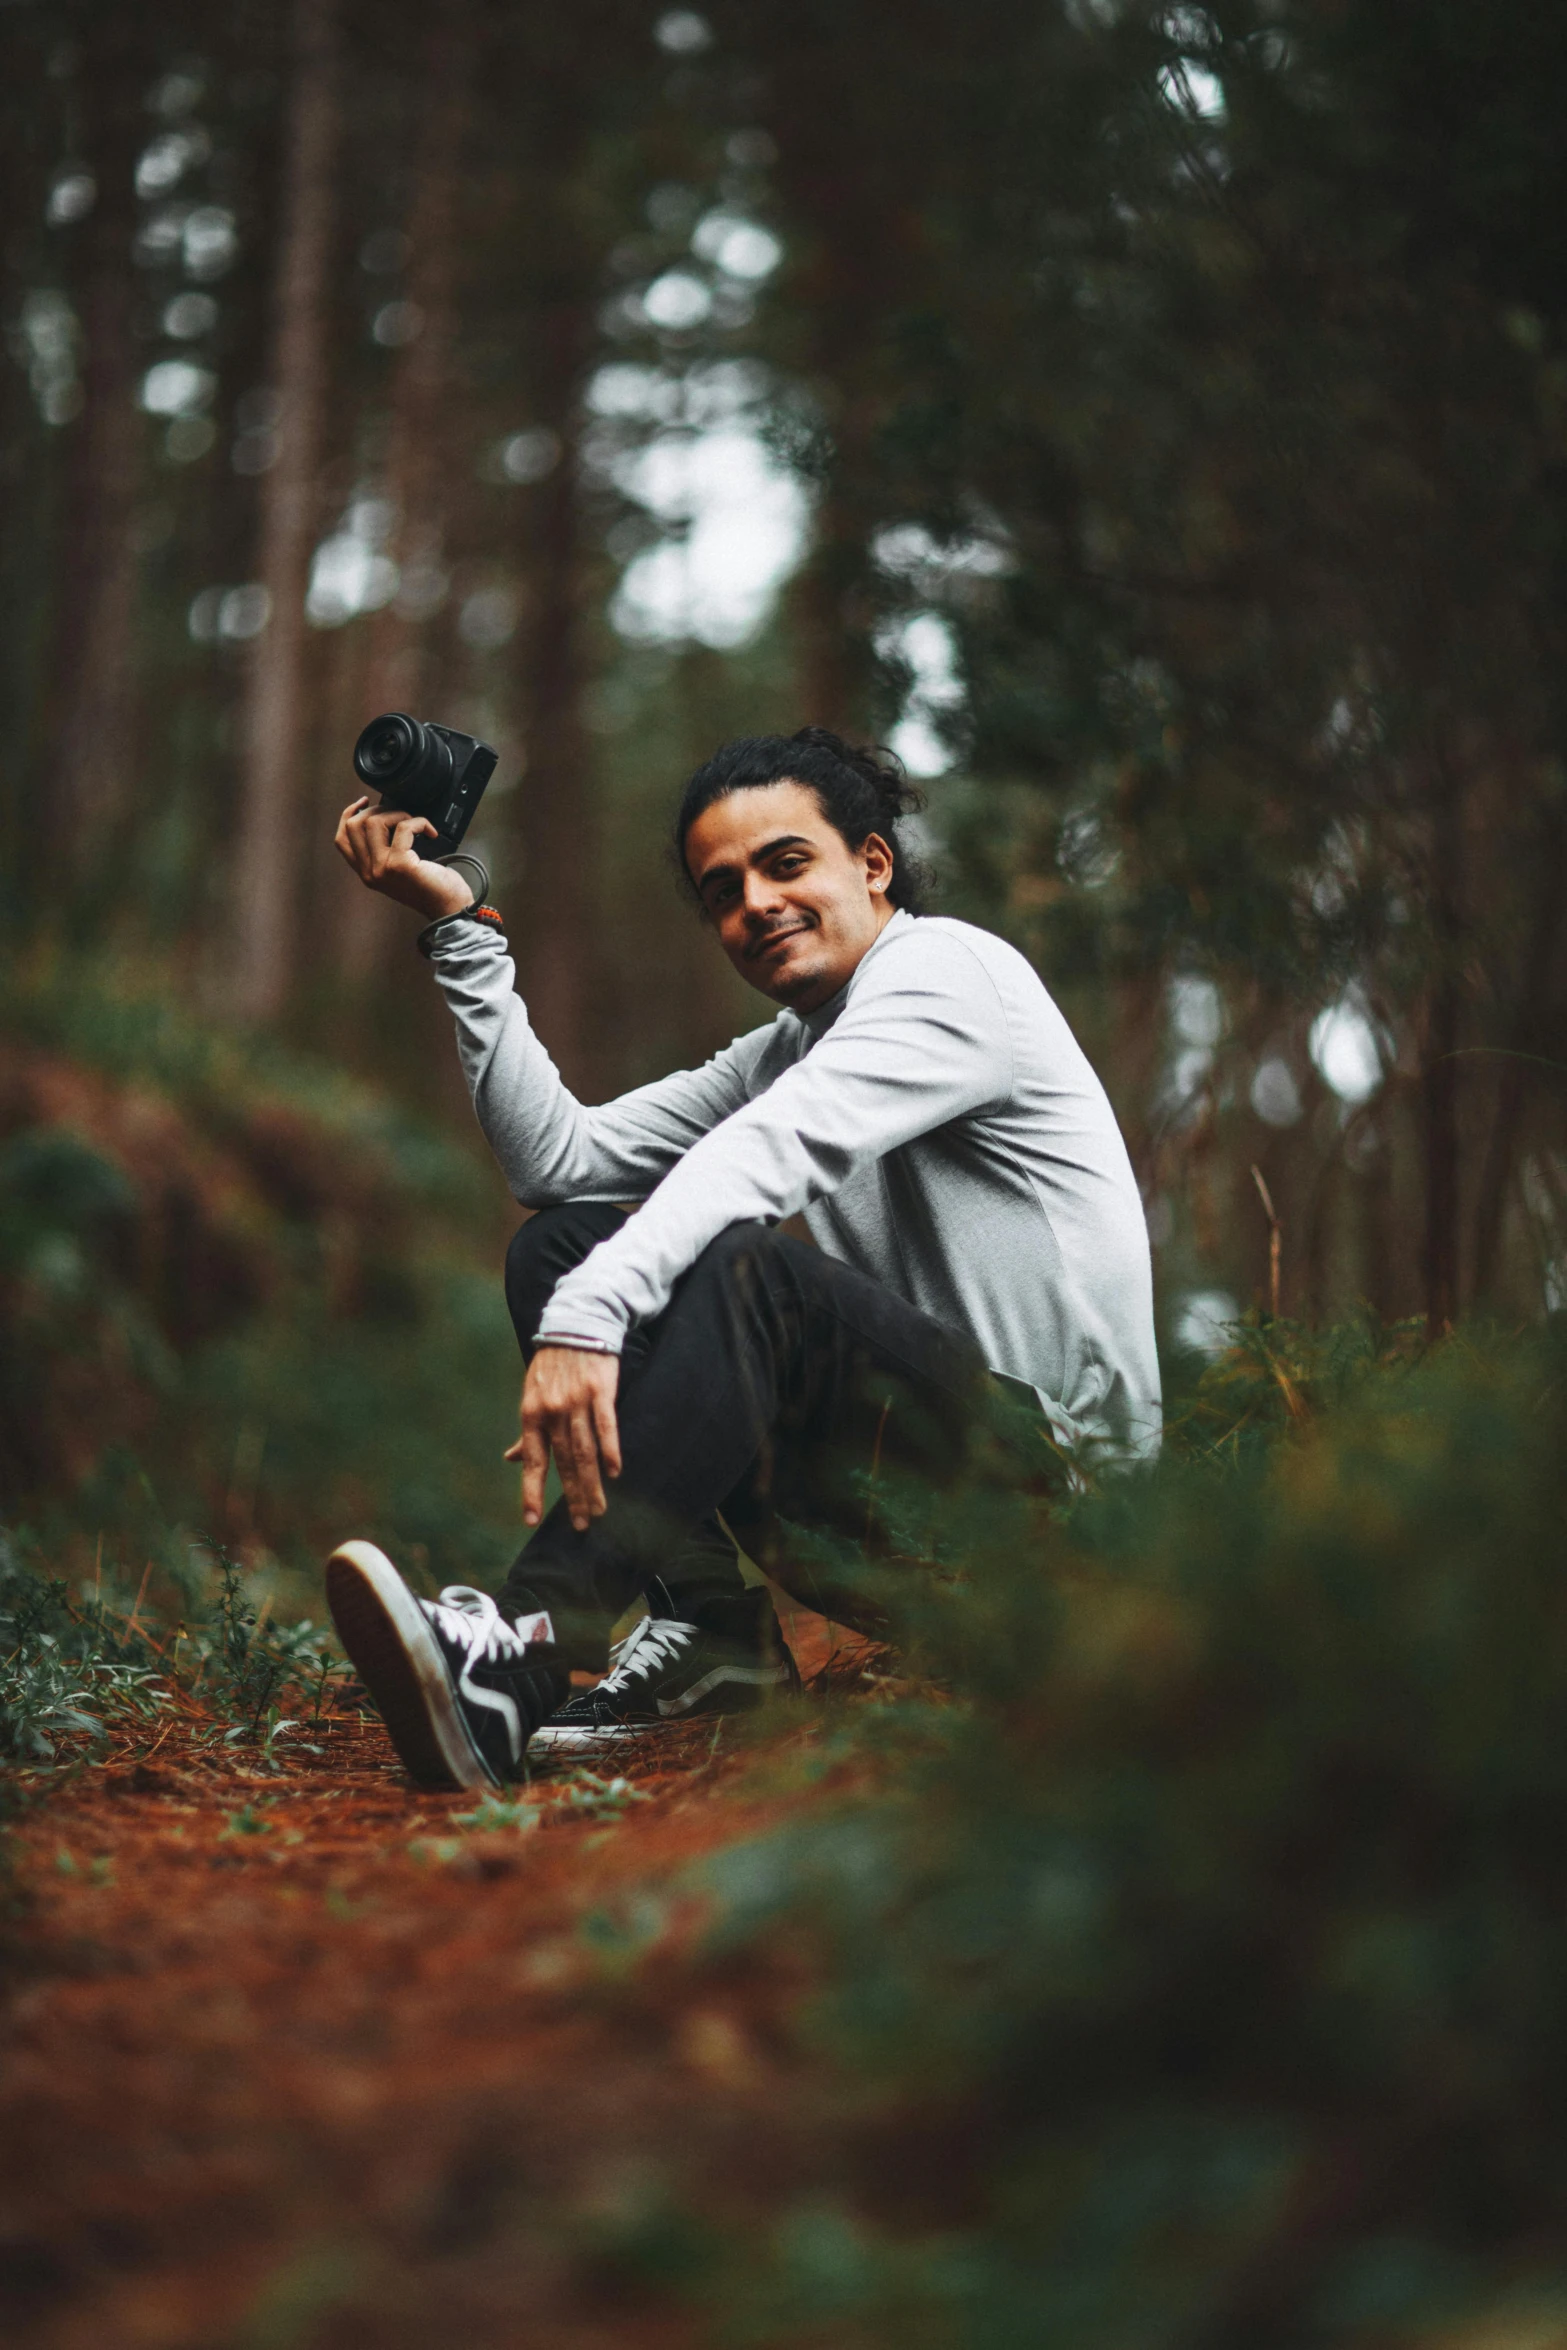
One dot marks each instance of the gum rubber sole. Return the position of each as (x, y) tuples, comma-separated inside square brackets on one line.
[(566, 1738), (549, 1741), (395, 1653)]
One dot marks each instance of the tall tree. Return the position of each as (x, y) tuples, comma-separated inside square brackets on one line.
[(94, 671), (566, 79), (421, 444), (557, 816), (266, 861)]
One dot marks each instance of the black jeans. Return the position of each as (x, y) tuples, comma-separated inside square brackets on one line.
[(776, 1381)]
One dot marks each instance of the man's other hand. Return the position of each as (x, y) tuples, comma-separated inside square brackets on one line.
[(568, 1409), (380, 846)]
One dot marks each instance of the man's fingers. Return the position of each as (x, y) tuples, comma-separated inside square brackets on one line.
[(568, 1410), (534, 1447), (348, 837), (365, 828), (407, 830), (607, 1428), (345, 838), (577, 1453)]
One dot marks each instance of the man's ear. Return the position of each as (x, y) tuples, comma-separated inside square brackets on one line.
[(878, 862)]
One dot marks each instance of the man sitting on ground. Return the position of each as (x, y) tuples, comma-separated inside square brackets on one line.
[(693, 1369)]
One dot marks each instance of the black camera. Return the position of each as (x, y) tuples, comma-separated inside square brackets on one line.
[(425, 770)]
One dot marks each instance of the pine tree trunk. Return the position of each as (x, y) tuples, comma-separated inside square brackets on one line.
[(1518, 1075), (268, 848), (851, 279), (832, 602), (559, 836), (1439, 1255), (419, 458), (94, 669)]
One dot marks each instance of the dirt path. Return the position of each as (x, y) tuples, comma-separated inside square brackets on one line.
[(307, 2056)]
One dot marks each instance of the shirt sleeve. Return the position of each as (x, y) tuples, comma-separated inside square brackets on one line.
[(550, 1146), (922, 1039)]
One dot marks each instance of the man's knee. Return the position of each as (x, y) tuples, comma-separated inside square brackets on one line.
[(549, 1246), (740, 1250), (750, 1263)]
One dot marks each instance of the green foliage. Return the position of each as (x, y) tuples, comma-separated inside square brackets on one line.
[(75, 1662), (238, 1291), (248, 1820), (1276, 1375), (246, 1661), (585, 1795), (66, 1666), (590, 1796), (499, 1811), (1211, 1942)]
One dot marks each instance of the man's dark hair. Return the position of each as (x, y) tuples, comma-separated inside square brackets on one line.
[(859, 790)]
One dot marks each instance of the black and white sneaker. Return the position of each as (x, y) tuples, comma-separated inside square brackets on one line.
[(666, 1672), (460, 1687)]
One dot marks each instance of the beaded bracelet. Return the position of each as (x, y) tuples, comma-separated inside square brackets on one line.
[(490, 916)]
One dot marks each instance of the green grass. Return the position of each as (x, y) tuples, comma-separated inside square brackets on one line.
[(77, 1663)]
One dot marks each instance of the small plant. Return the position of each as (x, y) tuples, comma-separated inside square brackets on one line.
[(493, 1811), (66, 1667), (248, 1664), (72, 1663), (247, 1821), (323, 1669), (593, 1798), (247, 1667), (98, 1872), (584, 1797)]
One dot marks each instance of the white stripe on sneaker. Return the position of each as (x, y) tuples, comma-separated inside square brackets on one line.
[(755, 1677)]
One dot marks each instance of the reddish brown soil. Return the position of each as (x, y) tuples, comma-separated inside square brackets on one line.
[(289, 2058)]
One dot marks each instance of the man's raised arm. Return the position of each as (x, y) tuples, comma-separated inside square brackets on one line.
[(549, 1145)]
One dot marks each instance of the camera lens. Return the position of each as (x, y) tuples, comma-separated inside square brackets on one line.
[(387, 746), (409, 764)]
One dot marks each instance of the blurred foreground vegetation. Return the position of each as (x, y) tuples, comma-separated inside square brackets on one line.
[(1199, 1974), (1178, 1942)]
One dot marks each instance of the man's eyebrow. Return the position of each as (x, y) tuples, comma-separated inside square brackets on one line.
[(785, 840)]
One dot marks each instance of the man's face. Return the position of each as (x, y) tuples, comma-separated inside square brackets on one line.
[(794, 906)]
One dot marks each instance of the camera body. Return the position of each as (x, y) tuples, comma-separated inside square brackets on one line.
[(425, 770)]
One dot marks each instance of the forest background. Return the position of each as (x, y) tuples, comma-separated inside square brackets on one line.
[(1149, 420)]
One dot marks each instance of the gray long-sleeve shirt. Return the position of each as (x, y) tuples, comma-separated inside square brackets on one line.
[(937, 1123)]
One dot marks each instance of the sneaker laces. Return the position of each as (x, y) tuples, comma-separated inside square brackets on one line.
[(470, 1620), (649, 1646)]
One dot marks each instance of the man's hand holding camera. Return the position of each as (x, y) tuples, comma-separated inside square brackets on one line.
[(381, 844)]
